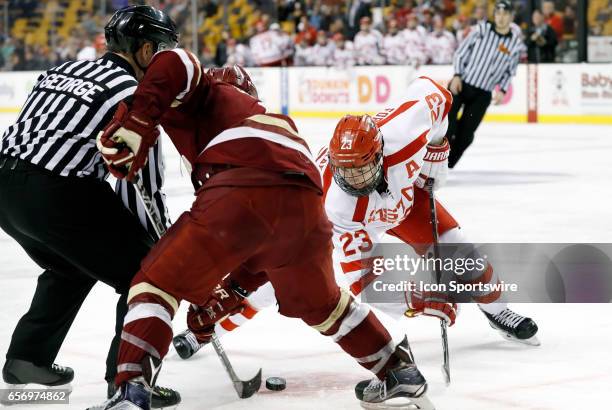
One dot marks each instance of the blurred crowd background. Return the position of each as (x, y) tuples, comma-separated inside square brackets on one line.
[(36, 35)]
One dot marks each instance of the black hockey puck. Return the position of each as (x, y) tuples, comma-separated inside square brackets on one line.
[(276, 383)]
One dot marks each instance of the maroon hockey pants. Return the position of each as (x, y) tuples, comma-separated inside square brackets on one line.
[(280, 230)]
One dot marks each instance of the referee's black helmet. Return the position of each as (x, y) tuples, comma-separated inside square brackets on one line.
[(132, 26)]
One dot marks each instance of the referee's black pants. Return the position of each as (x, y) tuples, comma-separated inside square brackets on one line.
[(460, 134), (79, 232)]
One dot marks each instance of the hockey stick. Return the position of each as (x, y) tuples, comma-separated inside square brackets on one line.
[(436, 245), (245, 389)]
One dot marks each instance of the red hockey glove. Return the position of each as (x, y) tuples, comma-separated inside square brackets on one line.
[(227, 299), (435, 165), (125, 142), (431, 304)]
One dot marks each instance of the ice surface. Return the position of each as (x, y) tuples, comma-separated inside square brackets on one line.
[(517, 183)]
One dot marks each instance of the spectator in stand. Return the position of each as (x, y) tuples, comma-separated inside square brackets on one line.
[(357, 9), (303, 52), (541, 40), (92, 50), (207, 58), (238, 53), (327, 16), (297, 14), (313, 11), (344, 53), (480, 15), (66, 50), (8, 48), (306, 30), (552, 18), (87, 51), (427, 20), (441, 43), (30, 59), (265, 19), (271, 48), (394, 44), (569, 21), (447, 8), (90, 24), (285, 9), (368, 44), (337, 27), (323, 50), (285, 43), (16, 62), (414, 37), (401, 13), (221, 52), (462, 28)]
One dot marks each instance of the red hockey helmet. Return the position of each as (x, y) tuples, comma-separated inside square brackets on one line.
[(355, 155), (237, 76)]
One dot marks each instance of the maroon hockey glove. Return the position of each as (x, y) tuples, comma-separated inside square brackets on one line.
[(431, 304), (125, 142), (227, 299)]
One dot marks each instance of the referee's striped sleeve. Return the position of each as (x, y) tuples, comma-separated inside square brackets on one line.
[(510, 72), (152, 177), (463, 53)]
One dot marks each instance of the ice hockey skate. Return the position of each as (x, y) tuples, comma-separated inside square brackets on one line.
[(514, 327), (161, 397), (136, 393), (133, 395), (19, 373), (404, 386)]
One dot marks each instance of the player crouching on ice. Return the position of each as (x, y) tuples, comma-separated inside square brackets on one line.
[(257, 214), (373, 177)]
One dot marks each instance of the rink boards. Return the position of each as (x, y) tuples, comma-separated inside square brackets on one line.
[(548, 93)]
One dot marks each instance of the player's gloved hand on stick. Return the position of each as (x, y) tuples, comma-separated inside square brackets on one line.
[(227, 299), (431, 304), (125, 142), (435, 165)]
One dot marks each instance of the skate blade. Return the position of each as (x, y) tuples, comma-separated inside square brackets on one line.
[(118, 406), (34, 386), (415, 403), (532, 341)]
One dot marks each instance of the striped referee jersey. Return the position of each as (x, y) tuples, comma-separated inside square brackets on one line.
[(486, 58), (57, 126)]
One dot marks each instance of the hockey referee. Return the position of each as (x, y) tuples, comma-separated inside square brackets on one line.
[(55, 202), (487, 58)]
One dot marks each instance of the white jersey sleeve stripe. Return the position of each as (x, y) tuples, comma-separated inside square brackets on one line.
[(249, 132)]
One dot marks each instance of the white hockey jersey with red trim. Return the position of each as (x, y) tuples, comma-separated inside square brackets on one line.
[(360, 222)]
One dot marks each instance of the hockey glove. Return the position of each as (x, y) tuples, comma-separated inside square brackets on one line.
[(431, 304), (227, 299), (125, 142), (435, 165)]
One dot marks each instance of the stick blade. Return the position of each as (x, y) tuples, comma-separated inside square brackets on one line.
[(246, 389), (446, 374)]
